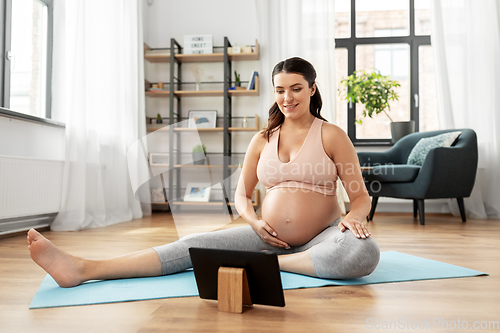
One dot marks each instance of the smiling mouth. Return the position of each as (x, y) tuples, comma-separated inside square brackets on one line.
[(290, 106)]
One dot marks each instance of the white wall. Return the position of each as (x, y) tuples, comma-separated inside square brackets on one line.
[(32, 140), (165, 19)]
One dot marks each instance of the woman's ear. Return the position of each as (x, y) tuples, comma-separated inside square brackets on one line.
[(313, 89)]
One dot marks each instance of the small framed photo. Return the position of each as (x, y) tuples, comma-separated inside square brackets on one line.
[(158, 159), (202, 119), (199, 192)]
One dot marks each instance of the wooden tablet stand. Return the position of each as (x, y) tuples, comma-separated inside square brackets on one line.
[(232, 289)]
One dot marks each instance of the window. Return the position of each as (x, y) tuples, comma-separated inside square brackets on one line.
[(391, 36), (26, 56)]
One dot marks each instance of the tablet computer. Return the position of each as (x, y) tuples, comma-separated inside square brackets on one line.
[(262, 270)]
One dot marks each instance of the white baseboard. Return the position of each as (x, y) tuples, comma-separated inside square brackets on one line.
[(24, 223)]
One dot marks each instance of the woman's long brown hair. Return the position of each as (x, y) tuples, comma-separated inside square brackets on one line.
[(299, 66)]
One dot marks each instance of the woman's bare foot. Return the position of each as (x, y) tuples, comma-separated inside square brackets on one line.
[(66, 269)]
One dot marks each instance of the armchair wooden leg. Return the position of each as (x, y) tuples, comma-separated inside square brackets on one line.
[(415, 208), (421, 211), (462, 208), (372, 210)]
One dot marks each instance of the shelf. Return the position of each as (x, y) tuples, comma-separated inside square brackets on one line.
[(186, 129), (205, 93), (219, 57), (157, 57), (209, 93), (204, 166), (253, 92), (193, 203), (202, 93), (195, 166), (216, 57), (158, 93), (156, 127), (255, 202), (164, 56)]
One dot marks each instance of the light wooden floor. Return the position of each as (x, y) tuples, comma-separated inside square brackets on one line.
[(474, 244)]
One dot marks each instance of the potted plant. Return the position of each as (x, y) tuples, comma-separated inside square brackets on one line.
[(237, 79), (199, 152), (374, 91), (159, 119)]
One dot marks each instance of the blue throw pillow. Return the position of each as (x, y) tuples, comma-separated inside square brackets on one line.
[(424, 145)]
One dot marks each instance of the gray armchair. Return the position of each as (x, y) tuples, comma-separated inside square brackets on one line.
[(445, 173)]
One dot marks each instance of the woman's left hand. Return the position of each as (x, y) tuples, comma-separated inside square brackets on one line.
[(357, 228)]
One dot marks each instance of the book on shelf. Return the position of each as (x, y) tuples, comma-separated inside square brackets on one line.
[(251, 82)]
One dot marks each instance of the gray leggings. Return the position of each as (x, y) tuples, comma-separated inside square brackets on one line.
[(334, 254)]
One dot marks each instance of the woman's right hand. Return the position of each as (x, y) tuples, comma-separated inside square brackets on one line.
[(267, 233)]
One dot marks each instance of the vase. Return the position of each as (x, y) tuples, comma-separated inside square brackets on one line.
[(199, 158), (401, 128)]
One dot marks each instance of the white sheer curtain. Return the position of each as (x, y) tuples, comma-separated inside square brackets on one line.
[(98, 82), (466, 43), (302, 28)]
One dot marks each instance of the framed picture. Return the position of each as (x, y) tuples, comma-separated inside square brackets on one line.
[(197, 192), (202, 119), (158, 159)]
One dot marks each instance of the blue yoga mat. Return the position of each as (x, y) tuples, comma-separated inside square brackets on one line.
[(393, 267)]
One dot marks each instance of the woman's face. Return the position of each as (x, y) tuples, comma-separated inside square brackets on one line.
[(292, 94)]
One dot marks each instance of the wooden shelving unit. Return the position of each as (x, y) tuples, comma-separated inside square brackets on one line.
[(175, 58)]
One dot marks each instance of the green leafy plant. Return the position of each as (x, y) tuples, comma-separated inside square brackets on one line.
[(237, 77), (199, 149), (373, 90), (159, 119)]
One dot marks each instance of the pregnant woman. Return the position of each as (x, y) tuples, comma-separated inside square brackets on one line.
[(298, 157)]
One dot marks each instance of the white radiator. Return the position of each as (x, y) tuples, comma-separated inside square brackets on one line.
[(29, 187)]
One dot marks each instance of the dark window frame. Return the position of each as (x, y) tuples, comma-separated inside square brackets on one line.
[(414, 43), (5, 48)]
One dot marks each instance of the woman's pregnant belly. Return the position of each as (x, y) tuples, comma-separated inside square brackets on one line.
[(298, 216)]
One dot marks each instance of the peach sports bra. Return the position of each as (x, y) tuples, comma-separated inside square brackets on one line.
[(310, 170)]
